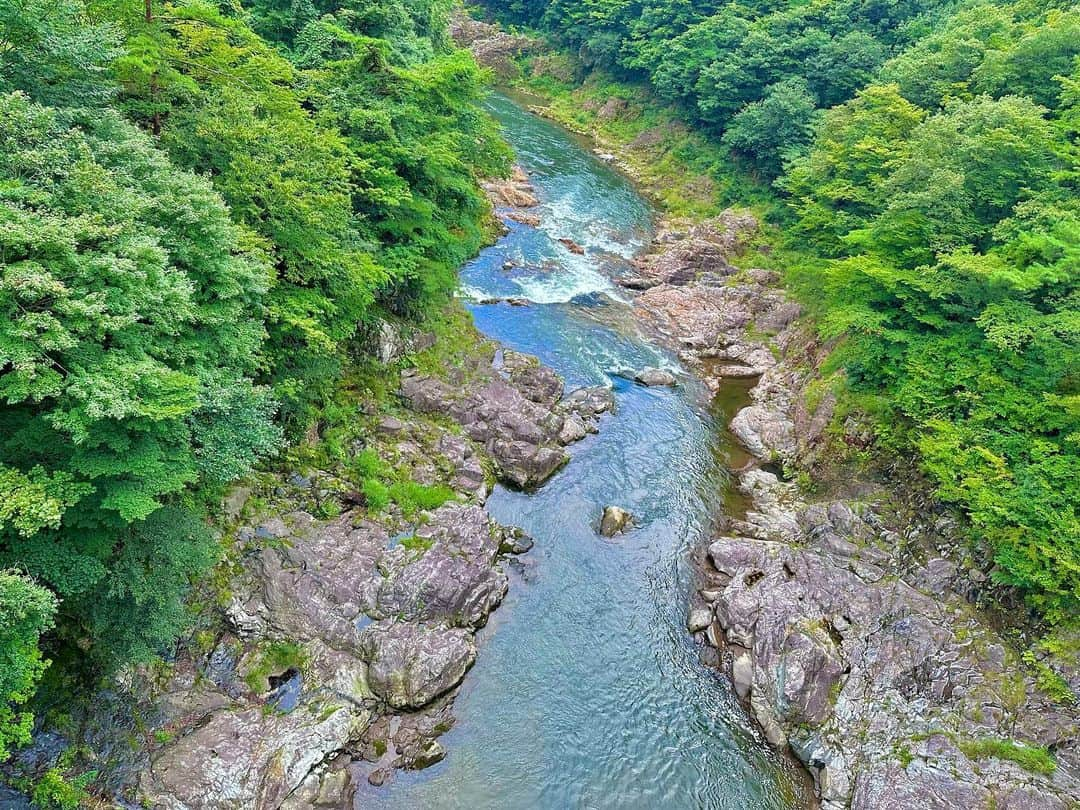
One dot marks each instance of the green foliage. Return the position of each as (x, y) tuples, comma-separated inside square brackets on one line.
[(54, 53), (131, 330), (414, 497), (56, 791), (1049, 681), (956, 237), (415, 542), (933, 223), (754, 70), (773, 129), (1033, 758), (273, 659), (202, 208), (26, 611), (376, 493), (367, 464)]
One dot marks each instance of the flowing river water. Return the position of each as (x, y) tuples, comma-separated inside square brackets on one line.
[(588, 692)]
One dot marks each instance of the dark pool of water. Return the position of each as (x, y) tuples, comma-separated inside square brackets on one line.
[(588, 692)]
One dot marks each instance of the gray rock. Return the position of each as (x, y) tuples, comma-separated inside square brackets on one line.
[(698, 619), (615, 520), (247, 758), (515, 541), (573, 430), (410, 665), (655, 377), (515, 419), (452, 580), (742, 674)]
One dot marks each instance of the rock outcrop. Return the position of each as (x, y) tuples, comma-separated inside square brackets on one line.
[(844, 625), (693, 299), (490, 45), (337, 654), (518, 415)]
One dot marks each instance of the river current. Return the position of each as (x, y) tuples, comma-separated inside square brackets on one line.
[(588, 692)]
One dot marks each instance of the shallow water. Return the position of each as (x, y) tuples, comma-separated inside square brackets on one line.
[(587, 692)]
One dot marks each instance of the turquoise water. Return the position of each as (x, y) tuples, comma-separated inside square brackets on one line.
[(588, 692)]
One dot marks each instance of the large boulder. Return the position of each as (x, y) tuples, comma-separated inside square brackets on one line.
[(446, 573), (409, 665), (248, 758)]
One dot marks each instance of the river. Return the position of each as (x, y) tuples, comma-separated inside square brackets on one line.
[(588, 692)]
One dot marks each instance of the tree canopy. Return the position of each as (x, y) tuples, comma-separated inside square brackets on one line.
[(201, 206)]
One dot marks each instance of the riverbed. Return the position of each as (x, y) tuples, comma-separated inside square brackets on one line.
[(588, 691)]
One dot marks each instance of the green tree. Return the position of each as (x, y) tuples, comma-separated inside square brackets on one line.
[(131, 330), (26, 611), (836, 187), (51, 50), (774, 129)]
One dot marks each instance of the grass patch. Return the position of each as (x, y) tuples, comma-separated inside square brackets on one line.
[(413, 497), (1049, 682), (415, 542), (1032, 758), (276, 657)]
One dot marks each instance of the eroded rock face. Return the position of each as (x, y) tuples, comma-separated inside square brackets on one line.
[(490, 45), (852, 665), (847, 639), (246, 758), (697, 303), (410, 665), (518, 415), (447, 574)]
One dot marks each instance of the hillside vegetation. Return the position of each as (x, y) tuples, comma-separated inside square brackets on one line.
[(926, 158), (203, 208)]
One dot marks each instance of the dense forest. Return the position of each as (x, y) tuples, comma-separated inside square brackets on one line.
[(203, 207), (926, 156), (206, 206)]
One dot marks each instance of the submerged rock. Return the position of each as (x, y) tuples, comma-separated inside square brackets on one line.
[(571, 245), (615, 520), (655, 377)]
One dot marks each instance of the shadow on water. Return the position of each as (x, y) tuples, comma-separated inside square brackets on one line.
[(587, 692)]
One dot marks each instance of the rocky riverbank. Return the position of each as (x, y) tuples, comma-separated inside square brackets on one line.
[(846, 618), (345, 639), (341, 642)]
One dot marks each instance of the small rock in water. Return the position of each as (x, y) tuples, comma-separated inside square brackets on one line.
[(615, 521), (572, 246), (655, 376), (515, 541), (378, 777), (698, 619)]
